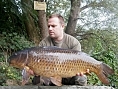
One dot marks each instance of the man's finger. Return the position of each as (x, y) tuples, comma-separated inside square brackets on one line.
[(82, 73)]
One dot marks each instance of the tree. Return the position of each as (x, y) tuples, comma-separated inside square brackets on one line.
[(35, 30), (42, 22), (72, 21), (31, 26)]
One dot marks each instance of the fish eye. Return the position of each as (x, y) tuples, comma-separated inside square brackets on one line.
[(15, 54)]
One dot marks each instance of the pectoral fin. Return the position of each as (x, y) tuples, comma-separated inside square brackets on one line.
[(25, 76), (56, 80)]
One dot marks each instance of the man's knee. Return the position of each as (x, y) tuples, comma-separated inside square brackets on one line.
[(39, 80), (36, 80), (81, 80), (75, 80)]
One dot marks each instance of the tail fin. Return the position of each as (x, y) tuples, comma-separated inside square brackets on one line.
[(103, 74), (107, 70)]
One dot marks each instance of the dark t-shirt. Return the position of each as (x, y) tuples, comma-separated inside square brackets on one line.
[(68, 42)]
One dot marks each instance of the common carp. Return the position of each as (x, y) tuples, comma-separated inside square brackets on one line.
[(57, 63)]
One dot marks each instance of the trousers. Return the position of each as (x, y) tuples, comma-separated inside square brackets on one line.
[(75, 80)]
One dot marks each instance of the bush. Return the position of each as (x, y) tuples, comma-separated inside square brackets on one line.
[(8, 72), (110, 59), (9, 43)]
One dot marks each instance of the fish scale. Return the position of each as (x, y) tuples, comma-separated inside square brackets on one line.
[(60, 66), (59, 63)]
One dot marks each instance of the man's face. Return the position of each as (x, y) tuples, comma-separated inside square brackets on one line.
[(55, 28)]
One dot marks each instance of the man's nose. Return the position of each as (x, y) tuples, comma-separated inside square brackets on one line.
[(50, 27)]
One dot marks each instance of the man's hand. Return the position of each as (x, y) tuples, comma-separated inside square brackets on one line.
[(81, 78), (83, 73)]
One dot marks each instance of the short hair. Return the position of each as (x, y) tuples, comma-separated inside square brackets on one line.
[(58, 16)]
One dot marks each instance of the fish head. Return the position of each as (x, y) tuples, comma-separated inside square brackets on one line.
[(18, 59)]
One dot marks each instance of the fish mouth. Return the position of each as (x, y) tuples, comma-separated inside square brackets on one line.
[(17, 65)]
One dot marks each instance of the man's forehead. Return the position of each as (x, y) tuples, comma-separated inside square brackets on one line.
[(54, 19)]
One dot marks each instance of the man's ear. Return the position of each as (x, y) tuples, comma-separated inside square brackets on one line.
[(63, 26)]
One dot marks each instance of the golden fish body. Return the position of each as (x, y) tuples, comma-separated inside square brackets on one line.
[(53, 62)]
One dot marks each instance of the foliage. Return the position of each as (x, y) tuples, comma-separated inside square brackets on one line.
[(11, 19), (110, 59), (13, 37), (11, 42), (8, 73), (102, 45), (14, 14), (58, 6)]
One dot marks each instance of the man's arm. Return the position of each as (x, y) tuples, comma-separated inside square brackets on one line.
[(45, 42), (76, 46)]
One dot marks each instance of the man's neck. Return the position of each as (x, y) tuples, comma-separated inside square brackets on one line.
[(58, 39)]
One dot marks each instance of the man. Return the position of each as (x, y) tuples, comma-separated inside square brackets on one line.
[(58, 38)]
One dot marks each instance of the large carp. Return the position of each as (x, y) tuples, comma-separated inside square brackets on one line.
[(57, 63)]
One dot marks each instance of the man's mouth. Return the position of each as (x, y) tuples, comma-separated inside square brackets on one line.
[(51, 33)]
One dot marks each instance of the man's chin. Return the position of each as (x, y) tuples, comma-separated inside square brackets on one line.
[(52, 36)]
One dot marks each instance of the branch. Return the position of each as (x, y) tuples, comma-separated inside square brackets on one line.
[(94, 3)]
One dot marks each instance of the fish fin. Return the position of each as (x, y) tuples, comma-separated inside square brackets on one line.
[(103, 78), (56, 80), (25, 76), (106, 70)]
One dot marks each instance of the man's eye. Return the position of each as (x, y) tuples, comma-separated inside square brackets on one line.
[(51, 26)]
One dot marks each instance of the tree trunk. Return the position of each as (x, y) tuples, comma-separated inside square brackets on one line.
[(43, 23), (32, 30), (72, 21)]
